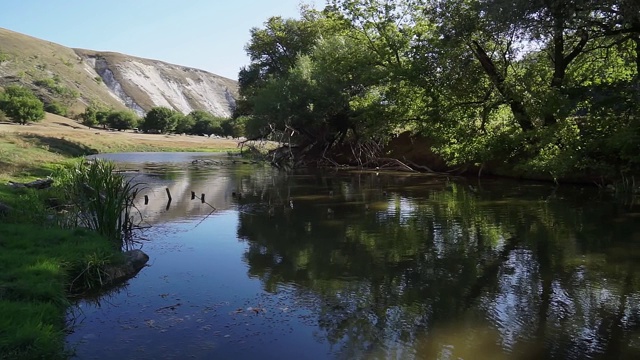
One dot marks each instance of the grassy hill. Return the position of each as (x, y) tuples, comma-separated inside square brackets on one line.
[(77, 77), (52, 71)]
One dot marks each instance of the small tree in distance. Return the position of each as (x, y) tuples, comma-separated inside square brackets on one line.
[(21, 105), (160, 119), (122, 120), (95, 114)]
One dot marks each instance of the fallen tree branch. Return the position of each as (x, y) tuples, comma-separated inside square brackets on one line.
[(391, 163), (416, 166)]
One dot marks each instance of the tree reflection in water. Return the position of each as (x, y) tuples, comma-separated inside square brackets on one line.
[(420, 267)]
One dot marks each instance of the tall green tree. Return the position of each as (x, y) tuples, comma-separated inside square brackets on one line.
[(96, 113), (535, 86), (204, 123), (161, 119), (21, 105), (273, 50), (122, 120)]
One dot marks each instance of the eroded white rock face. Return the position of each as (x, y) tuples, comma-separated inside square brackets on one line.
[(102, 68), (173, 86)]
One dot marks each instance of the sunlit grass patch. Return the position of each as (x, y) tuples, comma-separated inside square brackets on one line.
[(37, 268)]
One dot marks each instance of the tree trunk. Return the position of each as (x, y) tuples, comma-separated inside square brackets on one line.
[(560, 61), (517, 107)]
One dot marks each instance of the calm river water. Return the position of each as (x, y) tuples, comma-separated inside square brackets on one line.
[(343, 265)]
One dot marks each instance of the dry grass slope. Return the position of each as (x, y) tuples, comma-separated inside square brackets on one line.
[(28, 59)]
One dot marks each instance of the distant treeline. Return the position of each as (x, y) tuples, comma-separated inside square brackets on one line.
[(162, 120)]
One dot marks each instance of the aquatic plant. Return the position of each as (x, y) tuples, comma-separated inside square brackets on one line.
[(101, 199)]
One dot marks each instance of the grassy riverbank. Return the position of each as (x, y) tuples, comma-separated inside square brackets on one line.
[(40, 262), (28, 151), (37, 267)]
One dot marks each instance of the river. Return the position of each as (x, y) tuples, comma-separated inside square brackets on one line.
[(365, 265)]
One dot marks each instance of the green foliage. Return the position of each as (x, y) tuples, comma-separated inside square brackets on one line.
[(21, 105), (254, 127), (457, 72), (59, 90), (4, 57), (204, 123), (160, 119), (56, 108), (37, 266), (234, 127), (184, 124), (95, 114), (102, 199), (122, 120)]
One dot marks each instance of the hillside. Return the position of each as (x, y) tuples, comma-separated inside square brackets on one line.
[(77, 77)]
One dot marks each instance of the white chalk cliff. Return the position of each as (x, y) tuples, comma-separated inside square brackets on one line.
[(141, 84)]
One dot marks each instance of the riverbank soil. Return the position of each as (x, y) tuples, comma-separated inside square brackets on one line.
[(415, 150)]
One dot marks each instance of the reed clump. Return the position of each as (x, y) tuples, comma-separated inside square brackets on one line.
[(99, 199)]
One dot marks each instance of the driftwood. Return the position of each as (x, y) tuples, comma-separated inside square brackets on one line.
[(36, 184), (389, 164), (416, 166)]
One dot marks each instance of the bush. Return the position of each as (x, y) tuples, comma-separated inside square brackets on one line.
[(56, 108), (54, 86), (122, 120)]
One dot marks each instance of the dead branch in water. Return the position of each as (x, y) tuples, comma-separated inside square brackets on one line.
[(416, 166), (390, 164)]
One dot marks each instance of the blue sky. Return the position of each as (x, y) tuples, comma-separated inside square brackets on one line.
[(205, 34)]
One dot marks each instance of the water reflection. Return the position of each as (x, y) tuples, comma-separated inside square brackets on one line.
[(368, 266)]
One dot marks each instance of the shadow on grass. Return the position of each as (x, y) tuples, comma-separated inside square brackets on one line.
[(61, 146), (67, 125)]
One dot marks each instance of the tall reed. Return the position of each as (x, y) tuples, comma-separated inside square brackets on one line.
[(101, 199)]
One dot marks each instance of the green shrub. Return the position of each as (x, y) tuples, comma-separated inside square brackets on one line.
[(56, 108)]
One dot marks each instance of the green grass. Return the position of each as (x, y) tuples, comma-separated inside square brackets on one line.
[(38, 268)]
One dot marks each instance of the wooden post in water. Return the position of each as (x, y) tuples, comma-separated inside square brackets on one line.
[(168, 202), (202, 198), (193, 195), (146, 200)]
